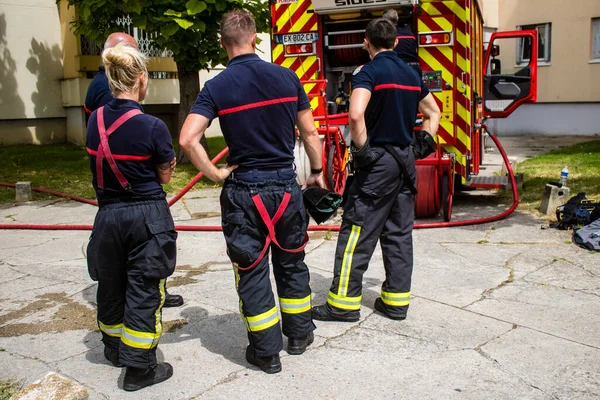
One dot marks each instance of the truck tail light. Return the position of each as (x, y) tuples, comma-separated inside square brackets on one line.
[(299, 49), (435, 39)]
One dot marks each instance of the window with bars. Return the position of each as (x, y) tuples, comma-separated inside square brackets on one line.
[(144, 39), (544, 41), (596, 39)]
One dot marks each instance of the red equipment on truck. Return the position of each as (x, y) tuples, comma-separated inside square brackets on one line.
[(322, 41)]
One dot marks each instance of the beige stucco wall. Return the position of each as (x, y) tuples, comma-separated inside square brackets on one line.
[(69, 41), (41, 87), (31, 59), (490, 13), (30, 73), (569, 77)]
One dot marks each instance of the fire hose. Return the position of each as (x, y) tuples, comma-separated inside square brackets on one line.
[(313, 228)]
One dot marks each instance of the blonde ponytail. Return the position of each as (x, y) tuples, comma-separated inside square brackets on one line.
[(124, 65)]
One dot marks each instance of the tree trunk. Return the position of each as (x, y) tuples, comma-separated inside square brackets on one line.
[(189, 87)]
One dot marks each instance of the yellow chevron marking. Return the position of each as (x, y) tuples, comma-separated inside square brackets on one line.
[(430, 10), (288, 61), (287, 16), (277, 51), (283, 20), (462, 39), (306, 66), (308, 87), (443, 23), (463, 137), (447, 51), (435, 65), (422, 27), (466, 90), (463, 64), (463, 113), (315, 27), (457, 9), (297, 27), (314, 103), (460, 158)]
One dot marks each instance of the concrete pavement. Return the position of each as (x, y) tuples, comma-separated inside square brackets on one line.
[(498, 311)]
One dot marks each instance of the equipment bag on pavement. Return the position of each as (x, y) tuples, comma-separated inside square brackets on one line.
[(588, 237), (576, 213)]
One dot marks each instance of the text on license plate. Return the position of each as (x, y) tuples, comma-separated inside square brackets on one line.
[(296, 38)]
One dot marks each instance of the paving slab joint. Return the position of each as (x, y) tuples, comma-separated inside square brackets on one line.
[(353, 327)]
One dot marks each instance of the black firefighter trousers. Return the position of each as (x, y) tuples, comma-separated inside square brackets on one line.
[(131, 252), (379, 207), (245, 234)]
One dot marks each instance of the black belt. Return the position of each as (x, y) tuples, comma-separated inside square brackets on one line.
[(129, 199)]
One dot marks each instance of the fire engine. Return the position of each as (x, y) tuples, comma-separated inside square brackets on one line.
[(322, 41)]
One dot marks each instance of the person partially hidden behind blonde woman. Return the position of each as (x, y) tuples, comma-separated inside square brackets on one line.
[(132, 248)]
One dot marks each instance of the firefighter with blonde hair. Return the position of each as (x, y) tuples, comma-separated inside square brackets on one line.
[(132, 249)]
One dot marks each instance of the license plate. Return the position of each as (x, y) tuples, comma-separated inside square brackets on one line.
[(297, 38)]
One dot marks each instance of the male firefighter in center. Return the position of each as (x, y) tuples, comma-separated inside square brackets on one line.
[(258, 105), (380, 205)]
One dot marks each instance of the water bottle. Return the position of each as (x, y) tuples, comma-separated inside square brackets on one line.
[(564, 175)]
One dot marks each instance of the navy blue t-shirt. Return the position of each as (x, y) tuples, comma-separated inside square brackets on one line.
[(396, 91), (138, 146), (98, 93), (257, 104), (406, 48)]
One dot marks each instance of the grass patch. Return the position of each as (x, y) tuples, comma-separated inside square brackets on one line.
[(66, 168), (583, 161), (8, 388)]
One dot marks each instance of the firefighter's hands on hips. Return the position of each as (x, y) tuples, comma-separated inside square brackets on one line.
[(223, 173), (315, 180), (365, 155)]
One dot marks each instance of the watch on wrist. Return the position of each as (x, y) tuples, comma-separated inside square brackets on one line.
[(316, 171)]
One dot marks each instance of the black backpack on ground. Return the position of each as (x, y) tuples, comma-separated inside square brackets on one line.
[(576, 213)]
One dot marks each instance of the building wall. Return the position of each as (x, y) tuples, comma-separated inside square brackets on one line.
[(31, 68), (569, 76), (490, 13), (553, 119)]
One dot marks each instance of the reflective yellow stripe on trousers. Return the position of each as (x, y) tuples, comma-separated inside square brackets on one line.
[(343, 302), (262, 321), (395, 299), (111, 330), (147, 340), (140, 340), (347, 260), (295, 306)]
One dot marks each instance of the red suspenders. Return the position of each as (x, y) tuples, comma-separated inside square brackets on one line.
[(270, 223), (104, 149)]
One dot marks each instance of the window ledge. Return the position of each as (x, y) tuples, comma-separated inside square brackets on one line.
[(540, 64), (595, 61)]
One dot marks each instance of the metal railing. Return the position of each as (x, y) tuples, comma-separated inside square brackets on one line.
[(144, 39)]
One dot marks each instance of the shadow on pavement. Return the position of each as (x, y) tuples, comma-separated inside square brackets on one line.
[(222, 334)]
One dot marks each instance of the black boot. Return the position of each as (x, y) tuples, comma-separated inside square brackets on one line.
[(270, 365), (379, 306), (112, 356), (138, 378), (297, 346), (172, 300), (323, 313)]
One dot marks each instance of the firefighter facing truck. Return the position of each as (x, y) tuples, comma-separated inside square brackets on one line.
[(385, 96)]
